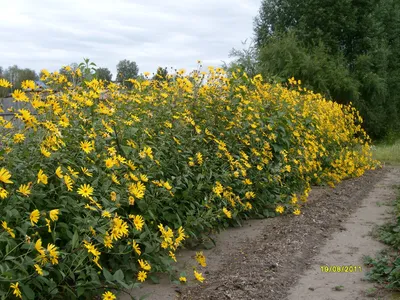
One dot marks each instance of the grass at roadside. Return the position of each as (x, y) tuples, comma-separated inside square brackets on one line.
[(388, 153), (385, 267)]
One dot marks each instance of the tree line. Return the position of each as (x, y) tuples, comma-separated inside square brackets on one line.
[(348, 50), (126, 69)]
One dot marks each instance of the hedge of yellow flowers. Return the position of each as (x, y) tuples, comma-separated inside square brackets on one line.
[(101, 184)]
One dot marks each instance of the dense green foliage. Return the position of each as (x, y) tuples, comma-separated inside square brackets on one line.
[(348, 50)]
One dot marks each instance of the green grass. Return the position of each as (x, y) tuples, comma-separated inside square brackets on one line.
[(388, 153), (385, 266)]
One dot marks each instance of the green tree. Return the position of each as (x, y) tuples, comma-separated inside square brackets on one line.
[(245, 59), (126, 69), (348, 50), (161, 74), (103, 74), (16, 76)]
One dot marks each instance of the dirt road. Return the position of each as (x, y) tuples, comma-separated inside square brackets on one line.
[(281, 258)]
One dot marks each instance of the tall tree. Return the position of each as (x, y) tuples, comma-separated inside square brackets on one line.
[(16, 75), (347, 49), (126, 69), (245, 59), (103, 74)]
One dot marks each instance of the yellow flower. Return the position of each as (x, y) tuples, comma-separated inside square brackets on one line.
[(54, 214), (182, 279), (108, 241), (5, 176), (144, 265), (248, 206), (109, 296), (85, 190), (73, 172), (92, 249), (42, 177), (201, 259), (59, 172), (109, 163), (247, 181), (87, 147), (53, 253), (199, 157), (106, 214), (24, 189), (297, 212), (198, 276), (137, 189), (144, 178), (34, 216), (114, 179), (4, 83), (280, 209), (142, 275), (119, 228), (19, 138), (28, 84), (3, 193), (250, 195), (131, 200), (16, 291), (167, 185), (19, 95), (227, 213), (172, 255), (138, 222), (38, 245), (86, 172), (45, 152), (8, 229), (113, 196), (38, 269), (136, 247), (68, 182), (48, 224)]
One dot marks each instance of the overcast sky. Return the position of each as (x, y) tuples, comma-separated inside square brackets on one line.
[(52, 33)]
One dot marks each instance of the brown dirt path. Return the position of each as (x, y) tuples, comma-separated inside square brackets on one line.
[(280, 258)]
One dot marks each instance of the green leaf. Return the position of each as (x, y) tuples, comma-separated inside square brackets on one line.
[(119, 275), (107, 275), (27, 291), (75, 239), (154, 279)]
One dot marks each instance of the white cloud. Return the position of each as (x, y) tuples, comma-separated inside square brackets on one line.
[(48, 34)]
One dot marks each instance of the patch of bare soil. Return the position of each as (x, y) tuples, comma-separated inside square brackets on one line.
[(282, 259)]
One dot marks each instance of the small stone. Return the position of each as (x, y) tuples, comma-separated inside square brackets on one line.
[(311, 288)]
